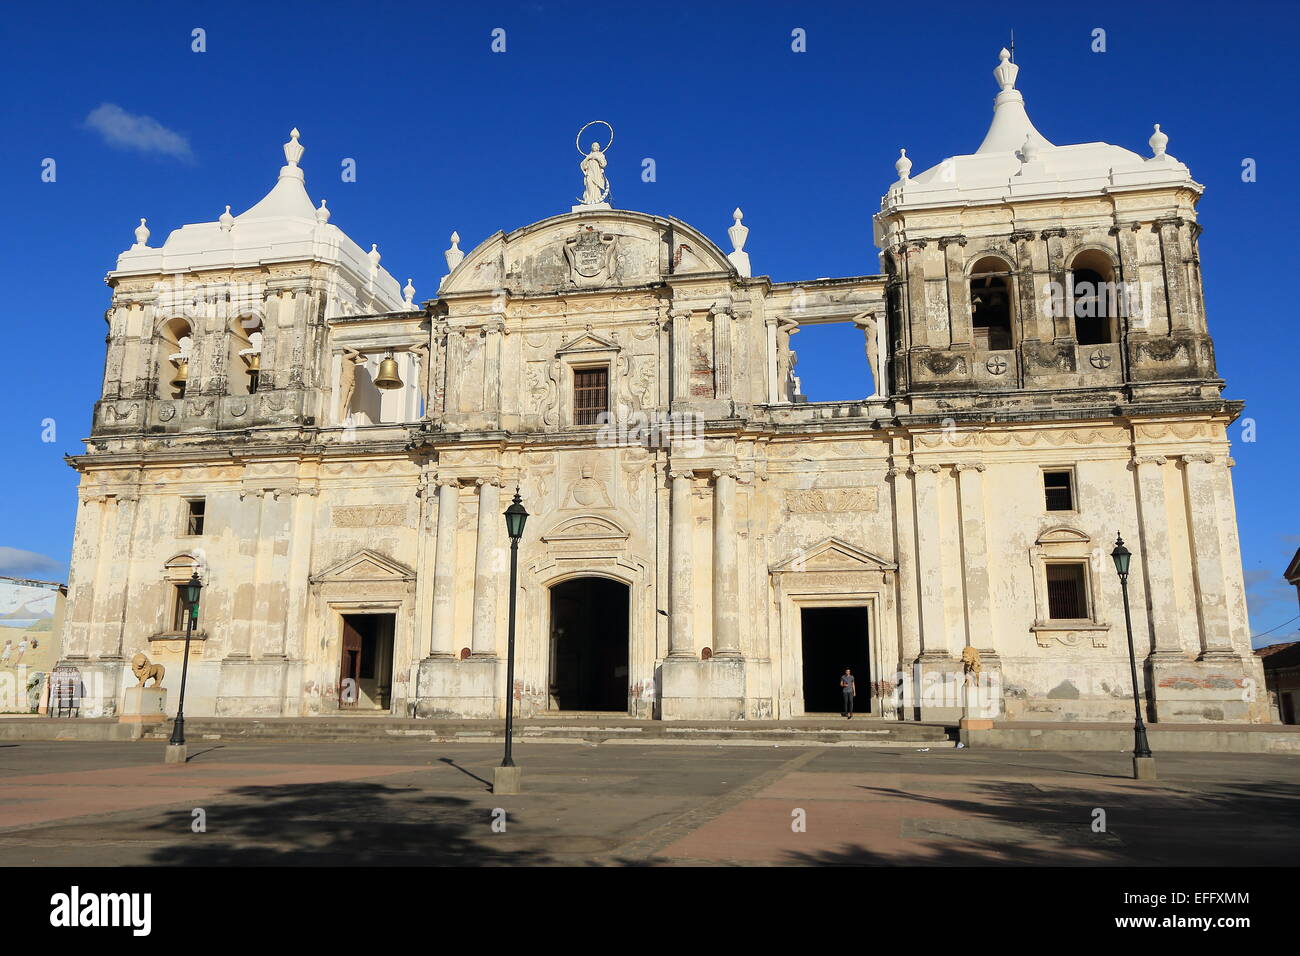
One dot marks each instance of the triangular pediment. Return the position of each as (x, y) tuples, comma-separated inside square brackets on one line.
[(833, 554), (365, 565), (588, 342)]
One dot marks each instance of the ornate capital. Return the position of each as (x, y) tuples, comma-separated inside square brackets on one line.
[(1149, 460), (946, 241), (1022, 235), (676, 473), (1055, 233), (1205, 457), (448, 482), (969, 466)]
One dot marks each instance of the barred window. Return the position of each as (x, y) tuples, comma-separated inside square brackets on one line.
[(1067, 595), (590, 394), (1058, 486)]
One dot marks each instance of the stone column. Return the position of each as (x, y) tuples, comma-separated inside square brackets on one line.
[(493, 332), (909, 630), (681, 345), (721, 352), (726, 567), (681, 638), (1207, 553), (114, 609), (1171, 254), (974, 542), (929, 553), (1156, 555), (444, 570), (959, 309), (771, 362), (487, 567), (455, 366)]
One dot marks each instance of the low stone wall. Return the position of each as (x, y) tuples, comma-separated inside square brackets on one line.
[(1247, 738)]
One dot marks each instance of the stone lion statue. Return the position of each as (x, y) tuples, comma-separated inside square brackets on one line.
[(143, 670), (970, 660)]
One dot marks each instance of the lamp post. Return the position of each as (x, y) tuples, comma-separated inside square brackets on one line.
[(176, 745), (506, 777), (1144, 765)]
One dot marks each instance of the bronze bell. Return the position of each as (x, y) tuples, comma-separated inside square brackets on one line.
[(182, 375), (387, 377), (255, 362)]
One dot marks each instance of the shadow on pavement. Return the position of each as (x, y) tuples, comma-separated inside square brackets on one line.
[(337, 824), (1020, 825)]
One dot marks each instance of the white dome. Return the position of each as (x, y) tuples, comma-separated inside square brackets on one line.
[(1015, 161)]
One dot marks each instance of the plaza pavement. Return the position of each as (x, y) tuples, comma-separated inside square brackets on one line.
[(415, 802)]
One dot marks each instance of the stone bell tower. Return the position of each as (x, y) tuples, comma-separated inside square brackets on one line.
[(1028, 274)]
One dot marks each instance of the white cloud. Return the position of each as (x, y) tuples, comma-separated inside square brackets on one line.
[(125, 130), (18, 563)]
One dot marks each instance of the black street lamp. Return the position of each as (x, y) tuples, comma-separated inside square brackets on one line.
[(516, 517), (193, 587), (1144, 765)]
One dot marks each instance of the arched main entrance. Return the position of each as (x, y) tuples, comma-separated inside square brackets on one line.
[(589, 645)]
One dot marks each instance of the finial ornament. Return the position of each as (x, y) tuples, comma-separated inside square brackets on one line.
[(1006, 71), (374, 256), (409, 292), (595, 184), (1029, 152), (739, 233), (903, 165), (293, 149), (142, 234), (226, 220), (454, 254), (1158, 142), (322, 214)]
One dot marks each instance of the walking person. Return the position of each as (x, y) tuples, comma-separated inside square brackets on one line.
[(850, 691)]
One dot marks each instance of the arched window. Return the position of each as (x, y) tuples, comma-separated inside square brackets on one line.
[(990, 302), (245, 359), (175, 346), (1094, 299)]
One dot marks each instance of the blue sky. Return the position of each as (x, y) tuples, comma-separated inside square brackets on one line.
[(448, 135)]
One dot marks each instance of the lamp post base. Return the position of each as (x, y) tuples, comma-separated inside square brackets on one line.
[(506, 780), (176, 753), (1144, 768)]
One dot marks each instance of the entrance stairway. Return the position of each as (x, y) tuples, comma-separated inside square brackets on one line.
[(579, 728)]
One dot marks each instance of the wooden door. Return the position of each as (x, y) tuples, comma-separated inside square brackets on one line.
[(350, 666)]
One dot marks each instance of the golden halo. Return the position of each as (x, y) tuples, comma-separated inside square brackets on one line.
[(578, 139)]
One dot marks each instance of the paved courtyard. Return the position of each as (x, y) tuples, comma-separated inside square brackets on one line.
[(413, 802)]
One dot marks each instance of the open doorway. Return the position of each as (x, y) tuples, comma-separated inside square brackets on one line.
[(366, 665), (589, 640), (835, 638)]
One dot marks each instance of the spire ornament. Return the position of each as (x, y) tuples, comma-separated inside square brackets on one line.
[(1006, 71), (454, 254), (903, 165), (293, 149), (738, 232), (1158, 142), (141, 235), (226, 220), (409, 292), (322, 214)]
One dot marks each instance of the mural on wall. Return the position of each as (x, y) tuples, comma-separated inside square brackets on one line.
[(29, 617)]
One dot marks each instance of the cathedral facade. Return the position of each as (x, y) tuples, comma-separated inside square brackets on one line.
[(333, 460)]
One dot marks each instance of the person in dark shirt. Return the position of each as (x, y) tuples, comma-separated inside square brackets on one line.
[(849, 691)]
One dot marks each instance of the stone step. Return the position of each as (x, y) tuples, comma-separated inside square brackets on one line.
[(864, 732)]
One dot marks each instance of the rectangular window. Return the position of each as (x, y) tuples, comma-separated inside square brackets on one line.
[(179, 616), (590, 394), (1067, 594), (1059, 489), (194, 508)]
